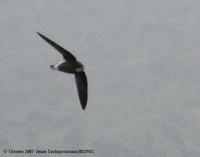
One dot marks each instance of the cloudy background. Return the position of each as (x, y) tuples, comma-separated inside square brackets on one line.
[(142, 59)]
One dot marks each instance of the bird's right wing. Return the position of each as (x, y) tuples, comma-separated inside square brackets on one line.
[(82, 87), (66, 54)]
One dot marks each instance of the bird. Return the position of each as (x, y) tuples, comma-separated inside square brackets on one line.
[(72, 66)]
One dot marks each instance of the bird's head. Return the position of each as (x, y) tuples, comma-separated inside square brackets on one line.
[(52, 67), (55, 67)]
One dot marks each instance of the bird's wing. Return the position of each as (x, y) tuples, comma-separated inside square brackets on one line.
[(81, 82), (66, 54)]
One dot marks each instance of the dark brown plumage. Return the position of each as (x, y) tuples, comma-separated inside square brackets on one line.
[(71, 65)]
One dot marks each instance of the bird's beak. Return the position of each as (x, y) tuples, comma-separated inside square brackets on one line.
[(52, 66)]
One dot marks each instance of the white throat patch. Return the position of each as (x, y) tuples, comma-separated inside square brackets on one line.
[(57, 65)]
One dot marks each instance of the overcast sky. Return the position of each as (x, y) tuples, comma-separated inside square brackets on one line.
[(142, 60)]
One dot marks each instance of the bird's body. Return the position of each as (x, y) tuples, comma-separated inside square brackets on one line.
[(72, 66)]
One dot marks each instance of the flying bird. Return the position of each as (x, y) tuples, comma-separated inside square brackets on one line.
[(72, 66)]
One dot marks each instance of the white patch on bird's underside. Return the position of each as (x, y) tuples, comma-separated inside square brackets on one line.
[(80, 69), (57, 65)]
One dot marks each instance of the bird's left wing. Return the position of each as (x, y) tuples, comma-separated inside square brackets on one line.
[(66, 54)]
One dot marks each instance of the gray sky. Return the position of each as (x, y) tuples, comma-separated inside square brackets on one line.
[(142, 60)]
